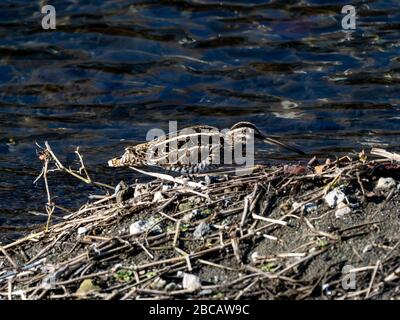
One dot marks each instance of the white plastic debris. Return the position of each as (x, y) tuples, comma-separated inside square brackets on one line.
[(82, 230), (201, 230), (142, 226), (342, 210), (191, 282), (158, 196), (335, 197), (386, 184), (254, 257), (137, 228), (310, 207)]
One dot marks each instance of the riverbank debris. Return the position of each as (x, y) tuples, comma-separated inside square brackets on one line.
[(270, 234)]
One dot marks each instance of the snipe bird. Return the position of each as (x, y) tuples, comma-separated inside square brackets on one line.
[(194, 149)]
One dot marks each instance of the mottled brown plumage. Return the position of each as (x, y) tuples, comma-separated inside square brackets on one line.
[(193, 149)]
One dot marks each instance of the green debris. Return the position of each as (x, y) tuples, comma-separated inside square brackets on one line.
[(322, 243), (218, 295), (185, 227), (206, 212), (151, 274), (124, 275), (269, 267)]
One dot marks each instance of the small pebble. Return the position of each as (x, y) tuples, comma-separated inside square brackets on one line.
[(142, 226), (191, 282), (158, 196), (201, 230), (342, 210), (335, 197), (170, 286), (254, 257), (87, 286), (386, 184), (82, 230), (205, 292)]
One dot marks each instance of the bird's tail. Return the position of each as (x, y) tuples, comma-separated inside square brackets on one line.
[(116, 162)]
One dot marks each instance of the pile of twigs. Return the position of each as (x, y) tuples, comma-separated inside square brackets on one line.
[(211, 227)]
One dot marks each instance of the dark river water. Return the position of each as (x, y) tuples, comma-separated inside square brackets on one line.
[(114, 69)]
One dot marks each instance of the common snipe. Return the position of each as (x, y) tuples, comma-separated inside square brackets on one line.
[(194, 149)]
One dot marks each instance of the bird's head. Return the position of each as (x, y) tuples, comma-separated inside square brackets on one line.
[(240, 126), (244, 125)]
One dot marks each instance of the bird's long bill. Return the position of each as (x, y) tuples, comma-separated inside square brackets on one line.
[(283, 145), (115, 162)]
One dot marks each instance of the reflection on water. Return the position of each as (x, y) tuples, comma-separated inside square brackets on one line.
[(114, 69)]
